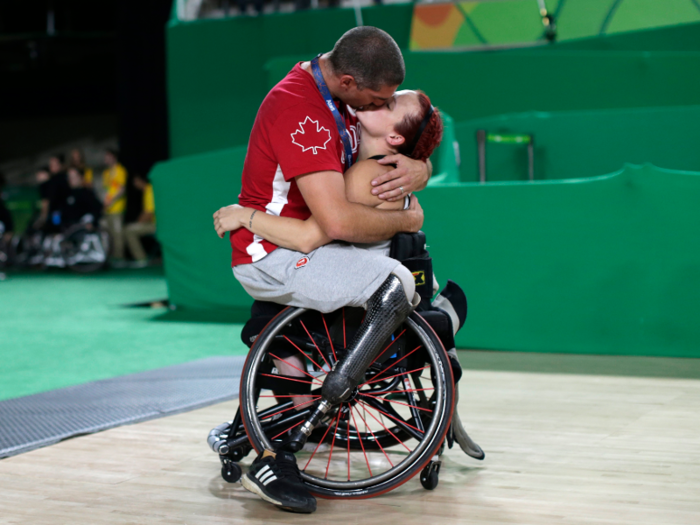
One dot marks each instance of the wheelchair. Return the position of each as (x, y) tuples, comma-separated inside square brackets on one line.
[(80, 248), (395, 425)]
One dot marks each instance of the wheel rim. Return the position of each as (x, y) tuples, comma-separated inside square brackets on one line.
[(379, 415)]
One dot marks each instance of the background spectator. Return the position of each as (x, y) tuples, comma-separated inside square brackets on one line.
[(114, 181), (76, 159), (82, 205), (54, 193), (145, 225)]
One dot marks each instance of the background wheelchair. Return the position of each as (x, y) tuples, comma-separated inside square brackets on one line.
[(395, 425), (81, 248)]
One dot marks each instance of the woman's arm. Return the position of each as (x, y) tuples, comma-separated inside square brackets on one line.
[(293, 234)]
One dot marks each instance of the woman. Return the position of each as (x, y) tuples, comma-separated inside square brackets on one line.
[(396, 127)]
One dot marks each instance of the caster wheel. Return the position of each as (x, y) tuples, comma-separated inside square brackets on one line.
[(240, 453), (231, 472), (429, 475)]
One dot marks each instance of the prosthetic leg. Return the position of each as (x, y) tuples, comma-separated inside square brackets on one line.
[(386, 310)]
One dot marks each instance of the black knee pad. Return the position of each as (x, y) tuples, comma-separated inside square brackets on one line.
[(386, 310)]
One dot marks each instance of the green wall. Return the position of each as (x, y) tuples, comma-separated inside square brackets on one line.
[(216, 74), (577, 144), (606, 265)]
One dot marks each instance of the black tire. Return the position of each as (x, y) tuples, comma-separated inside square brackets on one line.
[(84, 250), (230, 471), (424, 427), (429, 476)]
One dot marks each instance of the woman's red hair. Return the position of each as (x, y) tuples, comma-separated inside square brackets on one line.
[(431, 136)]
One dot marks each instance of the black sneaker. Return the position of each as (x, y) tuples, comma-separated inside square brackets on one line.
[(277, 479)]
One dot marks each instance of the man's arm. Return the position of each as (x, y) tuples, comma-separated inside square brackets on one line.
[(324, 194), (410, 175)]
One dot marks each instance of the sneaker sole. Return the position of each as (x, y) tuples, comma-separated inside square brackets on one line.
[(253, 487)]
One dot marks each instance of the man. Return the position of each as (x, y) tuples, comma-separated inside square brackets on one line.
[(114, 182), (145, 225), (304, 137)]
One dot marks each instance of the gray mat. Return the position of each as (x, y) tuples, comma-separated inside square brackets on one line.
[(35, 421)]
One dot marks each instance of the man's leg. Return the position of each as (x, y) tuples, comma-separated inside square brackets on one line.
[(133, 233)]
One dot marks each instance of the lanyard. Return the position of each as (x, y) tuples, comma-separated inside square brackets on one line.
[(339, 121)]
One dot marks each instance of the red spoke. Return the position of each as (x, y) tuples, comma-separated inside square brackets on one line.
[(319, 443), (395, 375), (396, 419), (317, 348), (285, 378), (333, 442), (329, 337), (305, 355), (387, 348), (395, 363), (296, 367), (389, 431), (354, 422), (397, 402), (345, 341), (290, 428), (348, 431), (290, 408)]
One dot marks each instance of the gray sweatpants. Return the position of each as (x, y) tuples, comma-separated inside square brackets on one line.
[(333, 276)]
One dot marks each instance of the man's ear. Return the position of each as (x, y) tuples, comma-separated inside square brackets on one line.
[(394, 139), (347, 82)]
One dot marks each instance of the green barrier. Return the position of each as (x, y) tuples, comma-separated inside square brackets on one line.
[(578, 144), (607, 265), (197, 263)]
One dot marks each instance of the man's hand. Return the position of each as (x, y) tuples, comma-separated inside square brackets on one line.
[(229, 218), (410, 175)]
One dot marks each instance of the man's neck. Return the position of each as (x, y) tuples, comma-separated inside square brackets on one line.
[(328, 76)]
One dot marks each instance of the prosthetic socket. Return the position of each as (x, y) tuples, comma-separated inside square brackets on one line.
[(386, 310)]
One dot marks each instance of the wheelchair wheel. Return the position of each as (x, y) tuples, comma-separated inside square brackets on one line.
[(385, 434), (84, 250)]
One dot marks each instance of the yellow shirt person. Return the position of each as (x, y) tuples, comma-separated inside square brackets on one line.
[(114, 182)]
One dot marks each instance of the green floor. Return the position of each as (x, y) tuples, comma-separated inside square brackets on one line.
[(59, 329)]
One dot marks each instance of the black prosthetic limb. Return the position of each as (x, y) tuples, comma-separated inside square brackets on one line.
[(386, 310)]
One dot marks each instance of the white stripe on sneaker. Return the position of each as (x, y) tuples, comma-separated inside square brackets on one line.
[(265, 476), (262, 471), (269, 480)]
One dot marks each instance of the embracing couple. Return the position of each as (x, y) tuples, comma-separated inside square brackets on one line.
[(333, 158)]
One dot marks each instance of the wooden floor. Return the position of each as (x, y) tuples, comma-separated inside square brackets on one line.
[(560, 449)]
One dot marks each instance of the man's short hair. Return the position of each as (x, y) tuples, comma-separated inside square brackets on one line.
[(370, 56)]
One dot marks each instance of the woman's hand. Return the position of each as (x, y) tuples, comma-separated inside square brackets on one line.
[(410, 175), (230, 218), (416, 212)]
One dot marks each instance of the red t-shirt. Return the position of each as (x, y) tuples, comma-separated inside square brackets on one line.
[(294, 133)]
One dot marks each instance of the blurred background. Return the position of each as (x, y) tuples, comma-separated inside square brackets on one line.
[(564, 196)]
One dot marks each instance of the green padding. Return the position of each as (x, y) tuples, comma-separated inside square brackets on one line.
[(216, 75), (607, 265), (474, 85), (197, 263), (582, 143)]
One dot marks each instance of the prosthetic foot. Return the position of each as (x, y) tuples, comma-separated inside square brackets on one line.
[(386, 310)]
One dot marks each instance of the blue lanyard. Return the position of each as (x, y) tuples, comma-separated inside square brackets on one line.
[(339, 121)]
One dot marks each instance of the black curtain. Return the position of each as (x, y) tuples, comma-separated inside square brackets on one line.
[(141, 99)]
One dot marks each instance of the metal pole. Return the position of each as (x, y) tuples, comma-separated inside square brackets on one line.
[(481, 147), (531, 158)]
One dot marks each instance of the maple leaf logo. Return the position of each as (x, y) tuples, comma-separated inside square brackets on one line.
[(310, 137)]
